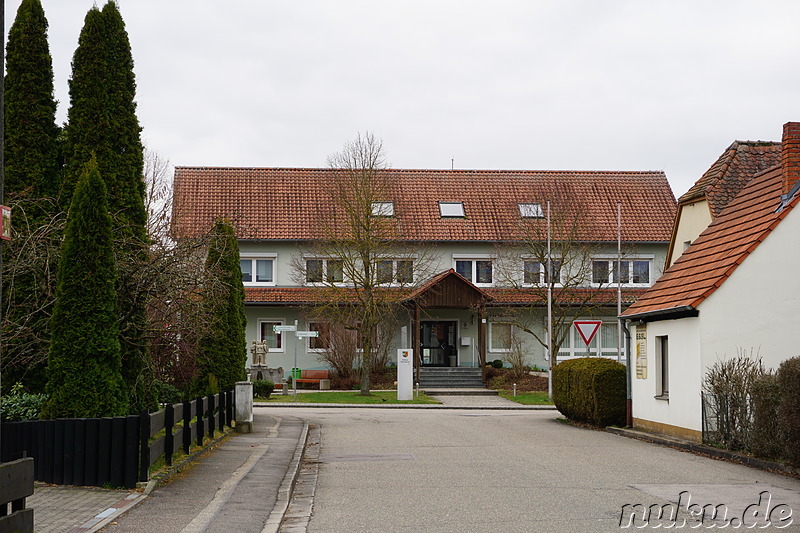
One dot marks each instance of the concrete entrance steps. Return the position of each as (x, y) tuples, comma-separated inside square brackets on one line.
[(450, 378), (458, 392)]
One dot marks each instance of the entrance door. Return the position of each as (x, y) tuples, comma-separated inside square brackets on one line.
[(438, 343)]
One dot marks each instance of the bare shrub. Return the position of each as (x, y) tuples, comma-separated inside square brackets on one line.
[(727, 385), (516, 355)]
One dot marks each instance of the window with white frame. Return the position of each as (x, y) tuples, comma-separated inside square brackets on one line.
[(323, 340), (500, 336), (535, 272), (258, 269), (627, 272), (478, 271), (390, 271), (324, 270), (662, 367), (451, 210), (606, 340), (266, 333)]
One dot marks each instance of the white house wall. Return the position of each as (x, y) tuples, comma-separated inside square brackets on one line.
[(758, 306), (682, 411), (693, 219)]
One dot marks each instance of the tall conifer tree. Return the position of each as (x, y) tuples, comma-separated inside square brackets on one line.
[(223, 352), (31, 152), (84, 363), (102, 120), (32, 180)]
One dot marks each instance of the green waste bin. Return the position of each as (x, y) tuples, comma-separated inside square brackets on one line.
[(296, 373)]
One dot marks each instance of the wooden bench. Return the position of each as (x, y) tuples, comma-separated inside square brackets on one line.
[(312, 376)]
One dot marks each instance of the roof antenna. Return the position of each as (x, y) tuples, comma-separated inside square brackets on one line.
[(452, 162)]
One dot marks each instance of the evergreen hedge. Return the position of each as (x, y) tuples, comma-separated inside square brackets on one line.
[(84, 363), (766, 435), (223, 350), (591, 390), (789, 383)]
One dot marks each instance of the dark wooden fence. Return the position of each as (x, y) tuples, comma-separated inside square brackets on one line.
[(114, 451), (16, 484)]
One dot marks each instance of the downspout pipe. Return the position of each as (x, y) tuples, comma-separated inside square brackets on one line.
[(628, 378)]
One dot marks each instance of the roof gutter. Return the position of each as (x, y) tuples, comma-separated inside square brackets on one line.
[(673, 313)]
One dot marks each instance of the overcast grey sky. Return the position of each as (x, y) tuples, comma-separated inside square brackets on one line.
[(529, 84)]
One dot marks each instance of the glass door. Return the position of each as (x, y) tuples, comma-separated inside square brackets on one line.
[(438, 343)]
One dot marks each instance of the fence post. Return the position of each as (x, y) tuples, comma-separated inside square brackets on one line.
[(221, 412), (131, 451), (229, 410), (211, 425), (244, 407), (200, 422), (144, 444), (187, 426), (169, 438)]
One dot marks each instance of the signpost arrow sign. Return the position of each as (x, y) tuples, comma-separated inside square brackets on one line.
[(587, 329)]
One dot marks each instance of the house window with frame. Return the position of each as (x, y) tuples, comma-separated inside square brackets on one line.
[(478, 271), (604, 342), (500, 335), (323, 340), (399, 271), (535, 272), (329, 270), (257, 270), (267, 333), (662, 367), (626, 272)]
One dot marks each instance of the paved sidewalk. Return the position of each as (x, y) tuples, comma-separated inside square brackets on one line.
[(251, 472)]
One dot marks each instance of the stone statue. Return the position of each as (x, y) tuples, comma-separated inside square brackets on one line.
[(259, 351)]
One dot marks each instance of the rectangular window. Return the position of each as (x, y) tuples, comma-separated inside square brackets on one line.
[(478, 271), (662, 367), (535, 272), (451, 209), (405, 271), (383, 209), (627, 272), (257, 270), (530, 210), (605, 341), (500, 337), (323, 341), (267, 333), (330, 270), (385, 271)]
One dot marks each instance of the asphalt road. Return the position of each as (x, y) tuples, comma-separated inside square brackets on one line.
[(457, 471)]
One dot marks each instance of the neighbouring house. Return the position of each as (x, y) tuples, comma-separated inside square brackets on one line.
[(706, 199), (472, 226), (734, 289)]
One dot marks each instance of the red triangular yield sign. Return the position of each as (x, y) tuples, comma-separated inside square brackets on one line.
[(587, 329)]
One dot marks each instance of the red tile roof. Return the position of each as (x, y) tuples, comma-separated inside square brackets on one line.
[(731, 172), (716, 253), (293, 203), (279, 296)]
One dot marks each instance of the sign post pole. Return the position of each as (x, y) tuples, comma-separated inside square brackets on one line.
[(300, 335)]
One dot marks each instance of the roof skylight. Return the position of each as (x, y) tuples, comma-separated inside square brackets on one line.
[(451, 209), (530, 210), (383, 209)]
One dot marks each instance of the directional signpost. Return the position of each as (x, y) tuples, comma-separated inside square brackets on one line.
[(587, 329)]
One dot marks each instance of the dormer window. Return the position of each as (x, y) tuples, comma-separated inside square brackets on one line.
[(451, 209), (383, 209), (531, 210)]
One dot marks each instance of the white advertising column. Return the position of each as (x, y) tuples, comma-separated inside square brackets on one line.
[(405, 374)]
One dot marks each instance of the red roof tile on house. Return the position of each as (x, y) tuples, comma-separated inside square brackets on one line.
[(722, 247), (294, 204), (731, 172)]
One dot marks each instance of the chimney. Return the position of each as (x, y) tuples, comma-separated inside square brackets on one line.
[(790, 156)]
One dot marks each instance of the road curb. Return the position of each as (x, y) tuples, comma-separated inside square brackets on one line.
[(698, 448), (411, 406), (273, 523)]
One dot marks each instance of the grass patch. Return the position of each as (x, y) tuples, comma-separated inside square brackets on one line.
[(376, 397), (527, 398)]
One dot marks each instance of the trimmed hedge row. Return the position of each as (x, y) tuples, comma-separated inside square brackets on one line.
[(591, 390), (789, 384)]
